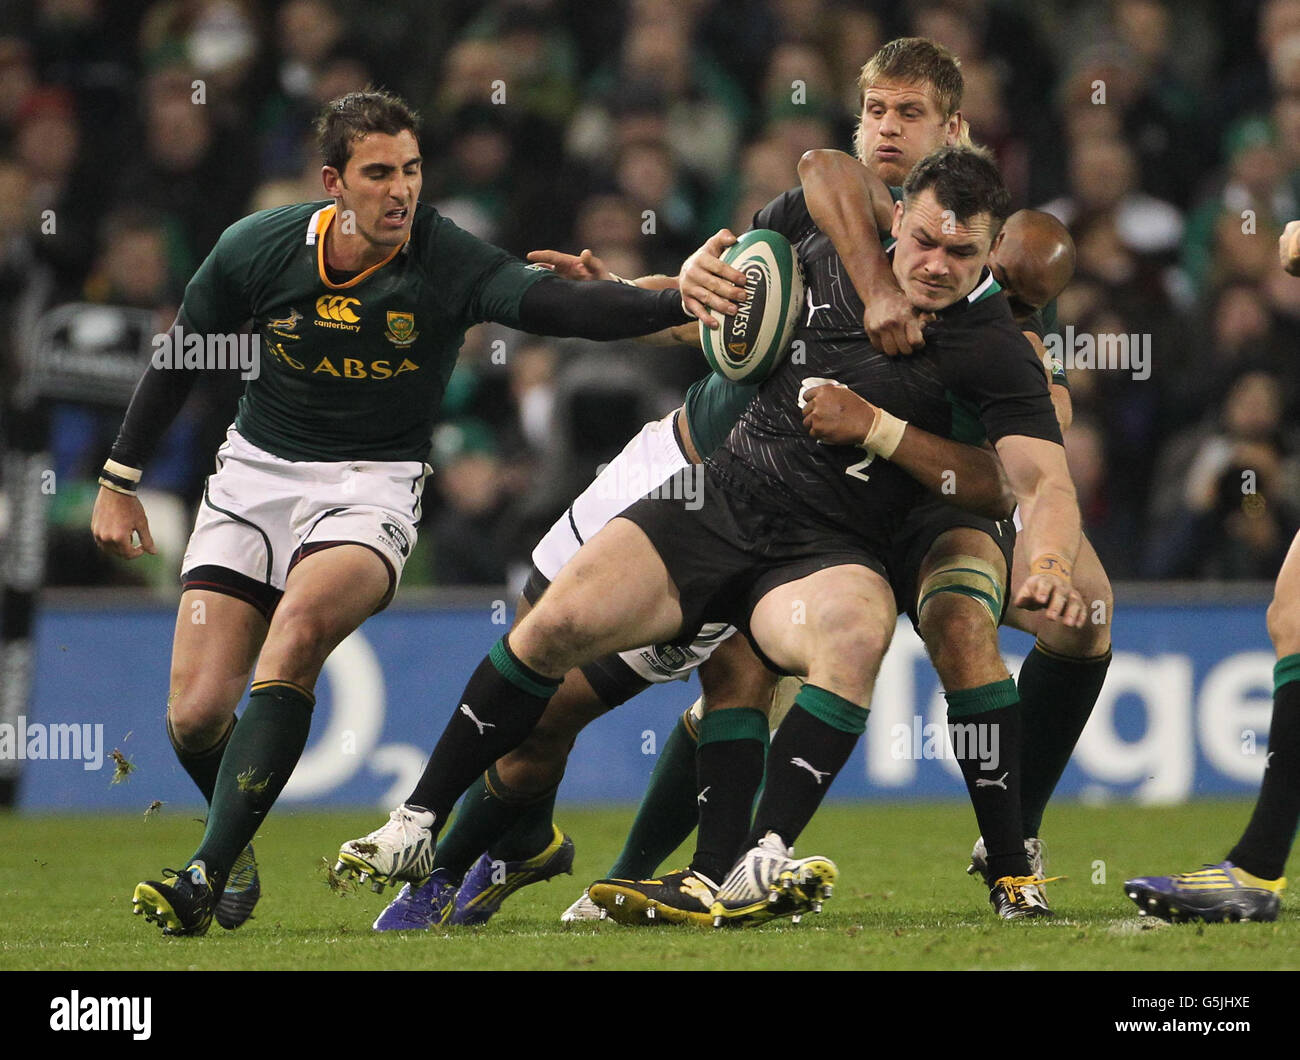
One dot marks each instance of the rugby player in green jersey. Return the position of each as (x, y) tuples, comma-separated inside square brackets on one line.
[(360, 305), (1249, 883)]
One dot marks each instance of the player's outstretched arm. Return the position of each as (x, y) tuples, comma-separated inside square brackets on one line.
[(964, 475), (599, 311), (587, 266), (852, 206), (1049, 510)]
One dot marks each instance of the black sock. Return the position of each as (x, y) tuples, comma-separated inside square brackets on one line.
[(808, 751), (729, 769), (202, 766), (1263, 849), (256, 766), (984, 731), (499, 708), (1057, 694), (668, 812)]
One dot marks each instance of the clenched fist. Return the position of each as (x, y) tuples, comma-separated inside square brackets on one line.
[(836, 415)]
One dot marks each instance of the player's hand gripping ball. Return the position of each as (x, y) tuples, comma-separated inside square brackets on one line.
[(747, 347)]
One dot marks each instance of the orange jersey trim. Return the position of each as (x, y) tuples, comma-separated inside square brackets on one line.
[(326, 217)]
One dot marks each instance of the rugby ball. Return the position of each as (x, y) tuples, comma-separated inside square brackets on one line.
[(747, 347)]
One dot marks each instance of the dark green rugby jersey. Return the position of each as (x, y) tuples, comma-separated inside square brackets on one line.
[(713, 404), (353, 370)]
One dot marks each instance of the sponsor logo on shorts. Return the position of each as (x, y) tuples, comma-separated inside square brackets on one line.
[(398, 538), (667, 659)]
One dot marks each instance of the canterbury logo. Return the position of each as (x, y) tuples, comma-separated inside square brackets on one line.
[(701, 797), (803, 764), (337, 307), (1001, 782), (483, 726)]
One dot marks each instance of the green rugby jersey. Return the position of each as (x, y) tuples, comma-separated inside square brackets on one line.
[(713, 405), (353, 370)]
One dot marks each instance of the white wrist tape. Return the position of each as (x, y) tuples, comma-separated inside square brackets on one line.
[(885, 434), (122, 471)]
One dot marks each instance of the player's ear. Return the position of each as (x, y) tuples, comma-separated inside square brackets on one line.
[(897, 226), (333, 181), (997, 240), (957, 131)]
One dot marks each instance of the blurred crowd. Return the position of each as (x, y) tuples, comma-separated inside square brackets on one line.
[(1165, 134)]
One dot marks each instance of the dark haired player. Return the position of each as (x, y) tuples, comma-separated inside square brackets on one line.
[(361, 305), (911, 91), (1248, 884), (788, 520), (948, 564)]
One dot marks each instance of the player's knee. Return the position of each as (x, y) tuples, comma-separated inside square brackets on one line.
[(956, 629), (199, 712), (739, 681), (1283, 618), (1099, 599), (752, 692), (552, 639), (537, 764), (853, 649), (305, 632)]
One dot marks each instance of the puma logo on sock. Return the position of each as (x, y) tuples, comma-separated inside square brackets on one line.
[(483, 726), (817, 773)]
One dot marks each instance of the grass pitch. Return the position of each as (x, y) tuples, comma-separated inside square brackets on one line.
[(903, 902)]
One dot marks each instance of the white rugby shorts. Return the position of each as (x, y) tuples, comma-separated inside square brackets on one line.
[(646, 462), (260, 512)]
